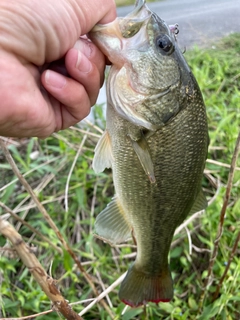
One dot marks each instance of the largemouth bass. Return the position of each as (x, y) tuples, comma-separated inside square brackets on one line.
[(156, 142)]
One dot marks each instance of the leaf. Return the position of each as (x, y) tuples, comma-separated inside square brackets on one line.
[(236, 207), (10, 304), (81, 197), (8, 192), (130, 313), (209, 312), (192, 303), (176, 252), (67, 261)]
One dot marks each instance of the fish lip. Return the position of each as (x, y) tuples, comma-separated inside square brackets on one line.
[(114, 37), (115, 28)]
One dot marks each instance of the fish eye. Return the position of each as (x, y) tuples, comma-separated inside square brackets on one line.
[(164, 43)]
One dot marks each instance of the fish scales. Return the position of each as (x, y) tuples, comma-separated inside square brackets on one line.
[(156, 142), (172, 147)]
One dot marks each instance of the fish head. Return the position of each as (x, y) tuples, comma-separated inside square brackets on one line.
[(145, 63)]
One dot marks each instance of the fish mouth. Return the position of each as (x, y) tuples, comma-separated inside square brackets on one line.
[(123, 34)]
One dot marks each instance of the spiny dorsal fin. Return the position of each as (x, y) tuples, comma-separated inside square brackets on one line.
[(111, 224), (103, 156)]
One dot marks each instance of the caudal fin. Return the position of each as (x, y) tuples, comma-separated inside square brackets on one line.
[(138, 288)]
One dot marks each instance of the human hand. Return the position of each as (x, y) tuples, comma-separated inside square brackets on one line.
[(37, 37)]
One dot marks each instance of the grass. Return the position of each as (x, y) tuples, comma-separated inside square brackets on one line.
[(47, 165), (121, 3)]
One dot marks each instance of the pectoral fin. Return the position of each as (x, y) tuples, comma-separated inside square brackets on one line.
[(142, 151), (200, 203), (103, 153), (111, 224)]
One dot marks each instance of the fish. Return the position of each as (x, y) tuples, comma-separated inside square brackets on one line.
[(156, 142)]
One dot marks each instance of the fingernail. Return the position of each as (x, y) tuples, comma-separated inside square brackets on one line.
[(84, 46), (83, 64), (55, 79)]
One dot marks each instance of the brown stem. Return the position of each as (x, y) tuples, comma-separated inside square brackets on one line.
[(46, 282), (52, 224), (234, 249), (221, 220), (15, 216)]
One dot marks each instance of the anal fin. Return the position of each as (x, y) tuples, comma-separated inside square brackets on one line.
[(103, 156), (111, 224)]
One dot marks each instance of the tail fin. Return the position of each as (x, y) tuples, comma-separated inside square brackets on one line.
[(138, 288)]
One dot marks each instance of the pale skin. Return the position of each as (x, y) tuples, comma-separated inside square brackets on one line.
[(36, 38)]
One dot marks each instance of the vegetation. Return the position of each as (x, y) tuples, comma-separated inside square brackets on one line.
[(120, 3), (64, 161)]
